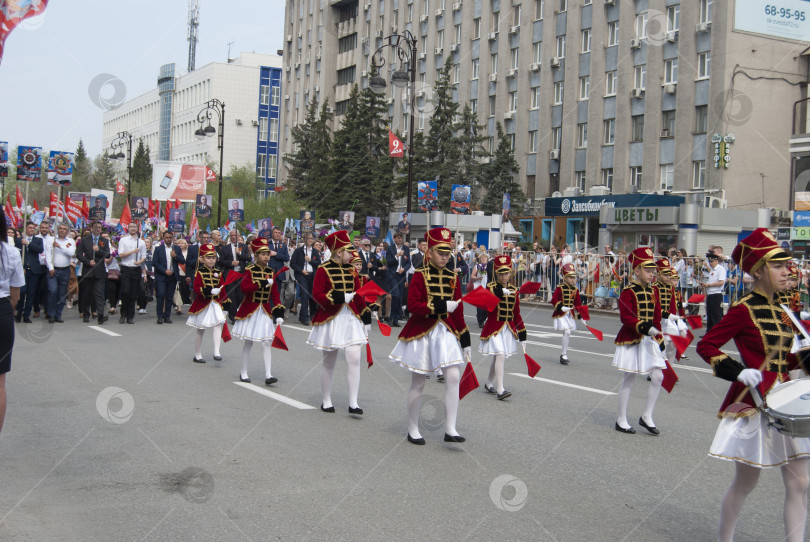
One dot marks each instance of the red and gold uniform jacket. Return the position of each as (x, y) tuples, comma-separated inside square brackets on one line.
[(757, 327), (259, 294), (676, 295), (430, 290), (565, 296), (332, 282), (667, 299), (505, 315), (639, 310), (205, 280)]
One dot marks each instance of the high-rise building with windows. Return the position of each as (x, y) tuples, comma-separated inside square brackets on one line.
[(596, 96), (167, 117)]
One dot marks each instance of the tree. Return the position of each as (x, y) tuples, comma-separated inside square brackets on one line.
[(442, 150), (141, 170), (308, 165), (499, 176), (350, 161), (471, 137), (82, 170)]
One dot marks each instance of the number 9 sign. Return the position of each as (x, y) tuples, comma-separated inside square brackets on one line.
[(395, 146)]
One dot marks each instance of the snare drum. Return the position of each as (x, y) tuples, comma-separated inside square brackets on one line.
[(788, 408)]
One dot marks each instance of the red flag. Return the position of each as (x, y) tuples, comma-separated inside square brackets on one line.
[(278, 340), (14, 13), (469, 381), (596, 273), (532, 365), (583, 311), (72, 209), (694, 321), (11, 217), (126, 215), (680, 343), (226, 333), (596, 333), (152, 210), (53, 205), (370, 289), (119, 187), (385, 329), (368, 355), (670, 378), (395, 147), (696, 298), (530, 288), (85, 208), (177, 203), (193, 226), (36, 207), (481, 298), (20, 200), (691, 338)]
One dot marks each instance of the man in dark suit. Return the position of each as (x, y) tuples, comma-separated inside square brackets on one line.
[(370, 261), (166, 261), (304, 261), (92, 251), (398, 259), (234, 256), (31, 246), (279, 256)]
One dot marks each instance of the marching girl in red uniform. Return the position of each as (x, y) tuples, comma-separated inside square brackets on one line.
[(504, 326), (670, 319), (564, 299), (764, 340), (258, 311), (639, 342), (435, 336), (342, 321), (206, 311), (674, 280)]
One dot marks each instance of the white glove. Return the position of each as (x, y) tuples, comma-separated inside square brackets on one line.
[(467, 350), (586, 322), (215, 291), (672, 317), (750, 377), (270, 282), (653, 332), (279, 321), (566, 310), (452, 306), (367, 329), (507, 291), (347, 298), (804, 315)]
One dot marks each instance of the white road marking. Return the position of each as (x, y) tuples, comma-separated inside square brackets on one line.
[(278, 397), (566, 384), (293, 326), (105, 331), (557, 346)]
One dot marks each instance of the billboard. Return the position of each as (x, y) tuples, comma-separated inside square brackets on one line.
[(787, 19), (175, 180)]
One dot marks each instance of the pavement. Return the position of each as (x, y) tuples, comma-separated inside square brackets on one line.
[(113, 433)]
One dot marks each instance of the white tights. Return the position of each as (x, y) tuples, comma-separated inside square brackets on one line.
[(796, 480), (452, 380), (566, 338), (353, 374), (657, 377), (217, 331), (496, 372), (267, 351)]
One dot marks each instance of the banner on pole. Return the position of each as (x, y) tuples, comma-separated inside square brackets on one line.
[(4, 163), (460, 199), (175, 180), (427, 197), (60, 168), (29, 163)]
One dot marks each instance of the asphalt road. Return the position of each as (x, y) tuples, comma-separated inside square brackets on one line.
[(124, 438)]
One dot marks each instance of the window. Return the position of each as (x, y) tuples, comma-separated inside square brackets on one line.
[(705, 11), (476, 32), (493, 63), (492, 106), (532, 141), (538, 9), (668, 123), (273, 129), (671, 71), (346, 76), (456, 73), (560, 46), (556, 138), (272, 166), (276, 95), (637, 131), (701, 119), (513, 101), (537, 50), (641, 25), (496, 21), (440, 38), (559, 89), (703, 65), (261, 165), (613, 34), (347, 43), (516, 15), (610, 83), (410, 13), (563, 5), (699, 174), (341, 107), (582, 135), (511, 138), (458, 34), (475, 68), (535, 94), (673, 18), (667, 176), (609, 126), (513, 56), (640, 77), (263, 129), (584, 87), (581, 180), (264, 95), (491, 142), (586, 41), (474, 105), (635, 176), (426, 7), (607, 178)]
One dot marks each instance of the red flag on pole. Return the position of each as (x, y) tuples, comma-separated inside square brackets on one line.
[(278, 340), (193, 226), (368, 355), (468, 381), (119, 187), (532, 365), (481, 298), (226, 333), (20, 200), (395, 147), (126, 216), (72, 210), (530, 288), (10, 214), (53, 205), (36, 207), (694, 321), (177, 203), (670, 378), (385, 329), (152, 211), (85, 208)]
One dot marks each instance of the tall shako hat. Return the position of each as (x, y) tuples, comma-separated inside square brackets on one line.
[(755, 250), (439, 239), (338, 240), (642, 256)]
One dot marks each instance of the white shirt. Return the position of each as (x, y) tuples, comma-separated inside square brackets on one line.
[(235, 252), (62, 254), (308, 254), (11, 269), (399, 258), (716, 274), (168, 249), (45, 255), (128, 243)]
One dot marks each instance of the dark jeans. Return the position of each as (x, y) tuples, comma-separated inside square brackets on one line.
[(164, 289), (87, 303), (308, 306), (32, 284), (57, 291), (397, 289), (129, 287), (714, 310)]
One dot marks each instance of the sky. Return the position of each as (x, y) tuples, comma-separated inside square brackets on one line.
[(54, 65)]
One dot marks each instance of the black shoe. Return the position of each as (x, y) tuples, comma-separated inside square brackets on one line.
[(160, 320), (195, 360), (440, 378), (86, 319), (621, 429), (102, 319), (121, 319), (357, 411), (244, 379), (649, 379), (489, 389), (651, 428), (453, 438), (27, 320), (268, 381), (330, 409), (504, 395), (564, 360), (167, 320), (51, 319), (307, 323), (418, 441), (217, 358), (395, 324), (129, 321), (58, 320), (18, 318)]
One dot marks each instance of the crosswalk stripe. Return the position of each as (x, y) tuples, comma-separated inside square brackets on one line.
[(278, 397), (566, 384)]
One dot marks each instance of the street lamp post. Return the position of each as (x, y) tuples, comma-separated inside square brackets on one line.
[(124, 139), (405, 46), (214, 106)]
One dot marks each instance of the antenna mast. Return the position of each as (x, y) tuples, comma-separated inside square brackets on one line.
[(193, 23)]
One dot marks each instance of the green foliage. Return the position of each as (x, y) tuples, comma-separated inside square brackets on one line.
[(442, 149), (499, 177), (471, 137)]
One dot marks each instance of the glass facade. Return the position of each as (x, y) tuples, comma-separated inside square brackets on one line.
[(267, 143), (166, 92)]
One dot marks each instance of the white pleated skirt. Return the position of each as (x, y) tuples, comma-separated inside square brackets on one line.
[(345, 329), (749, 440), (672, 328), (639, 358), (439, 348), (210, 316), (256, 327), (565, 322), (501, 344)]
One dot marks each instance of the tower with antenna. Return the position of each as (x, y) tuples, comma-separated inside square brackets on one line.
[(193, 23)]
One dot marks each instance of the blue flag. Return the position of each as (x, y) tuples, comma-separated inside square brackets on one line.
[(208, 228), (224, 231), (389, 238)]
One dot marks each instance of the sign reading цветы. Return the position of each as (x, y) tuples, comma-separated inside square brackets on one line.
[(642, 215), (789, 19)]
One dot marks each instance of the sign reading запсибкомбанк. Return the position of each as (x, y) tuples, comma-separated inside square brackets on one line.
[(789, 19), (642, 215)]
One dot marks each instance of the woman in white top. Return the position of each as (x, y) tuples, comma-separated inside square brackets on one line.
[(11, 279)]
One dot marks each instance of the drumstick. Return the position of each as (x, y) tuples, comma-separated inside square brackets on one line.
[(765, 363)]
